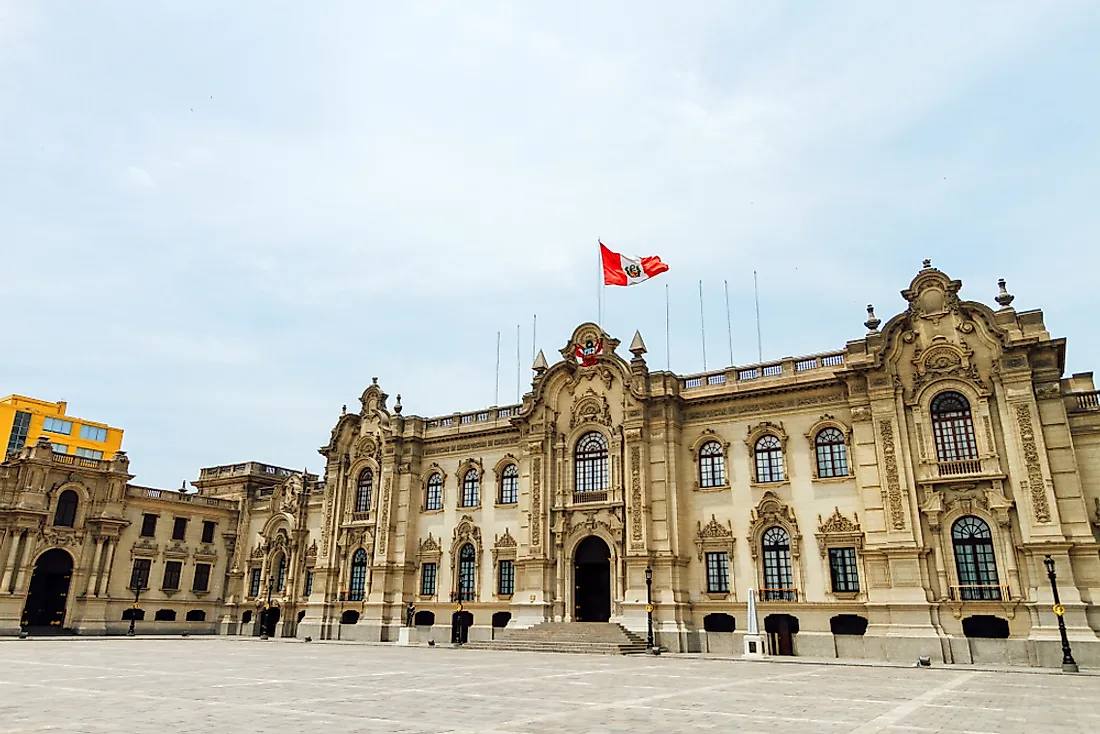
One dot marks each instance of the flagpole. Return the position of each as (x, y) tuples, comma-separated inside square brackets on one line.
[(668, 348), (496, 388), (517, 363), (702, 326), (729, 323), (759, 338), (534, 334), (599, 283)]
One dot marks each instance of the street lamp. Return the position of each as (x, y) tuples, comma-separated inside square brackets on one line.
[(649, 607), (1069, 665), (267, 607), (138, 586)]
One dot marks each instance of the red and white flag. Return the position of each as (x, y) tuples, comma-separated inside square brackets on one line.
[(622, 270)]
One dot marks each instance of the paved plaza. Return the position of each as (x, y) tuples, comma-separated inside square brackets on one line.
[(236, 686)]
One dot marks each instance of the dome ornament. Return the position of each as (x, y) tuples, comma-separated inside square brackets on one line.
[(397, 406), (872, 322), (1004, 298), (927, 264)]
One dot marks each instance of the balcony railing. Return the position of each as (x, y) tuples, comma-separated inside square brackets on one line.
[(360, 516), (931, 471), (955, 468), (978, 592), (1088, 400), (586, 497), (790, 594)]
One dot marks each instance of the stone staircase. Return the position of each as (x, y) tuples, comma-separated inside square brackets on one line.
[(578, 637)]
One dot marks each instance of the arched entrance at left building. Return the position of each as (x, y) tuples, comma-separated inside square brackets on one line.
[(592, 581), (49, 590)]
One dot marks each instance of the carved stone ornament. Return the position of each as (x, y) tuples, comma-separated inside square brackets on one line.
[(62, 537), (932, 295), (429, 549), (773, 511), (944, 359), (590, 408), (504, 546), (1035, 485), (311, 554), (713, 536), (838, 530), (892, 498), (258, 551)]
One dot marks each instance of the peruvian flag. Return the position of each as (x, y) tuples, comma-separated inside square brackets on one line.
[(622, 270)]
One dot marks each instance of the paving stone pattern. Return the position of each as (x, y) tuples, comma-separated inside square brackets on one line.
[(179, 686)]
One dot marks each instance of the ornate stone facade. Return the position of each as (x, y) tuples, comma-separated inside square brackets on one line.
[(950, 431)]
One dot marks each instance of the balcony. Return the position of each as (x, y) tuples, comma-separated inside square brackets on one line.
[(790, 594), (930, 472), (583, 498), (979, 592)]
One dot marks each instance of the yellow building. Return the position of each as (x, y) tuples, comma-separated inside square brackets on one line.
[(23, 420)]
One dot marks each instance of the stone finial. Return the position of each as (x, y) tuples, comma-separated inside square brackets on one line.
[(1004, 297), (183, 487), (872, 321), (344, 409), (540, 364), (397, 406), (637, 346), (374, 380), (927, 264)]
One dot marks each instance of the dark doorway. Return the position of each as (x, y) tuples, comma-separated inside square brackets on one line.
[(592, 576), (848, 624), (718, 622), (269, 621), (985, 625), (424, 619), (781, 629), (49, 590), (461, 622)]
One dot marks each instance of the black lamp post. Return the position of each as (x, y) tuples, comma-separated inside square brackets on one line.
[(1069, 665), (263, 616), (134, 610), (649, 607)]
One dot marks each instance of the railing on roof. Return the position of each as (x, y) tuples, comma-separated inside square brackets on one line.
[(171, 495), (783, 367), (245, 469), (1088, 400), (478, 416), (81, 461)]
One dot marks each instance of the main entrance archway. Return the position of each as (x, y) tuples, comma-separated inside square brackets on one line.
[(592, 581), (49, 590)]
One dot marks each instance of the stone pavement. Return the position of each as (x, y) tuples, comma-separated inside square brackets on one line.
[(235, 686)]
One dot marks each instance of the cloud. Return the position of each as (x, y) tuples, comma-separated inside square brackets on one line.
[(139, 178)]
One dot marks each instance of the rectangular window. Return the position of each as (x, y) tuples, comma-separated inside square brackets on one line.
[(56, 425), (139, 576), (20, 427), (309, 583), (60, 448), (208, 531), (507, 585), (90, 453), (718, 573), (842, 568), (202, 577), (179, 528), (93, 433), (427, 579), (254, 583), (172, 571), (148, 526)]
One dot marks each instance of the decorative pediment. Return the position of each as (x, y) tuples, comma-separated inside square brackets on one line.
[(144, 547), (207, 552), (773, 511), (932, 295), (954, 500), (587, 345), (430, 549), (837, 530), (714, 536), (837, 523), (62, 536), (504, 546), (259, 550), (311, 553), (590, 408), (367, 447), (765, 428), (944, 359), (176, 550)]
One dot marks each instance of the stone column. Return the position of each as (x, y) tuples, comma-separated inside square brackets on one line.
[(11, 567), (104, 581), (93, 575)]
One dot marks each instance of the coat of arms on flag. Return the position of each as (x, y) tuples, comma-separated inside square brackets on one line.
[(623, 270)]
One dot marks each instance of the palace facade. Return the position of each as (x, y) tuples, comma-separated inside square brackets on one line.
[(894, 498)]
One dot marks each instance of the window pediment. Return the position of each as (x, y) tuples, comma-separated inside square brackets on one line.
[(714, 536)]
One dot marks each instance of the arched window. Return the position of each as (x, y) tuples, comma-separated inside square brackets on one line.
[(975, 560), (590, 472), (363, 490), (433, 499), (467, 573), (832, 454), (712, 470), (778, 580), (953, 427), (280, 573), (471, 488), (509, 485), (358, 582), (769, 459), (65, 515)]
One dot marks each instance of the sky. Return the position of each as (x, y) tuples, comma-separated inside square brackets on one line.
[(219, 221)]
